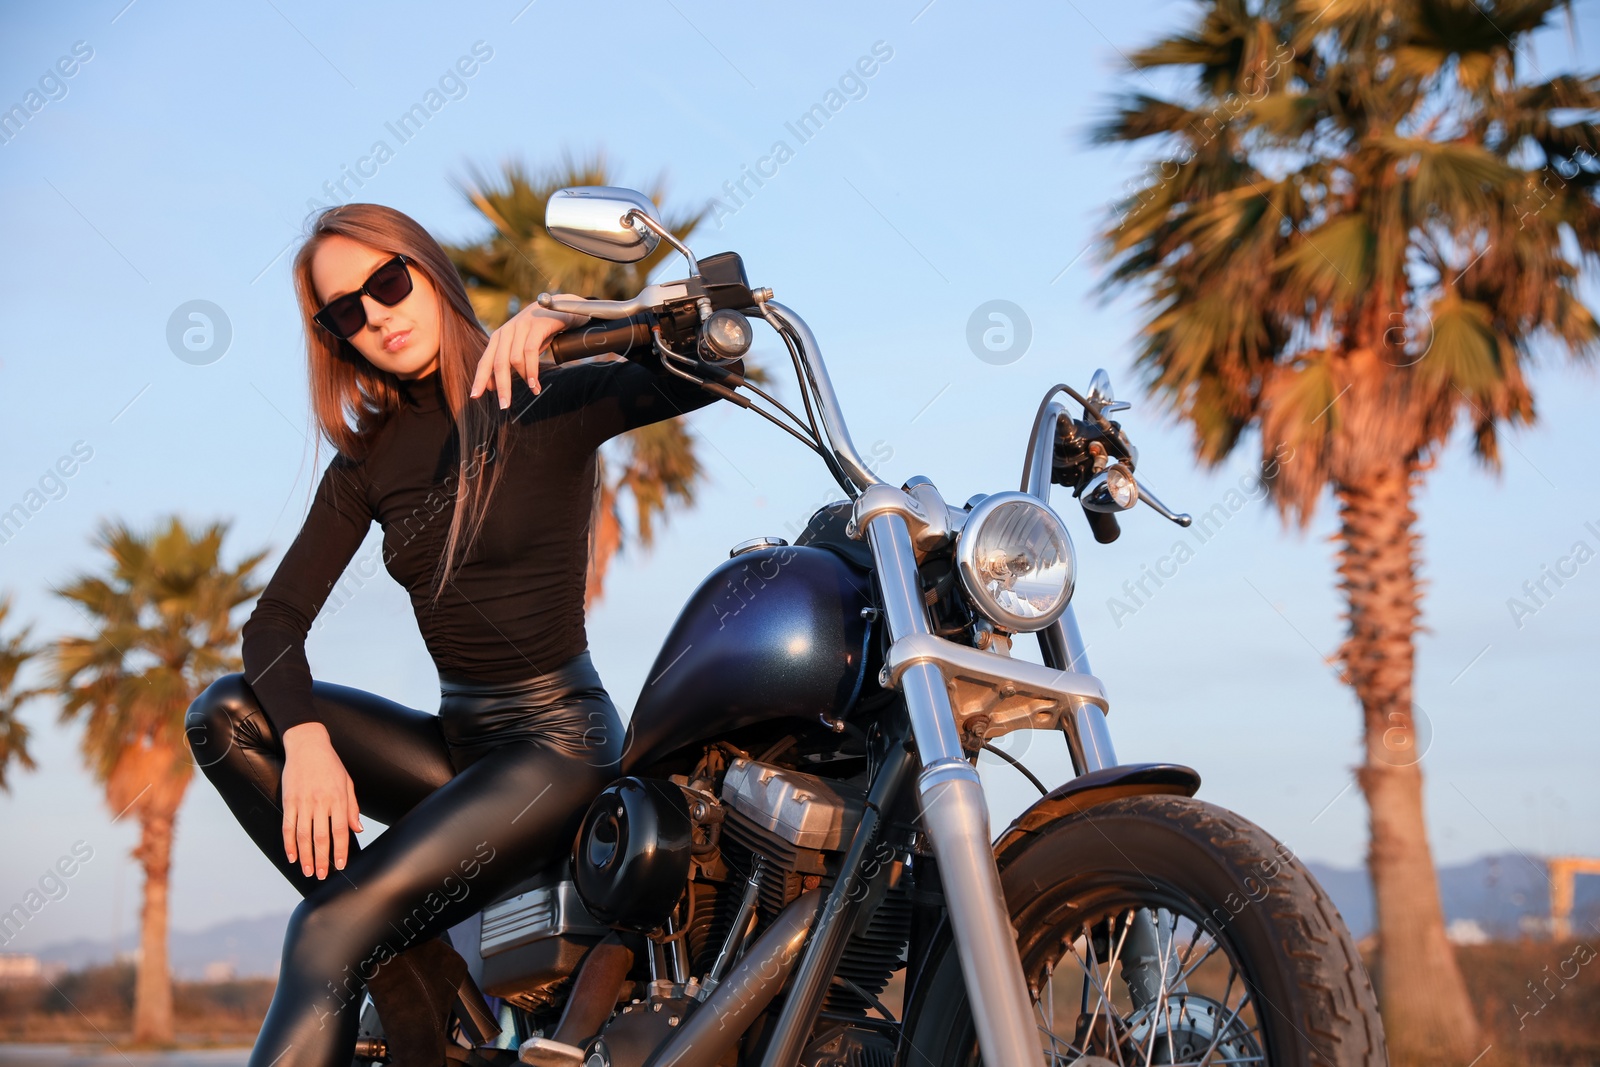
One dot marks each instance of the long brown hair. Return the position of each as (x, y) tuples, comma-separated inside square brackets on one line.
[(351, 397)]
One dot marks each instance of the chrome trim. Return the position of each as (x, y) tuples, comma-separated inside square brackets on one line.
[(738, 930), (650, 298), (821, 386), (755, 543), (1061, 643), (1011, 694), (939, 526), (1097, 494), (594, 220), (548, 1052), (1182, 518), (1101, 395), (1094, 740), (967, 566), (955, 815), (1042, 463), (802, 809), (1075, 654), (884, 498), (650, 223), (548, 911)]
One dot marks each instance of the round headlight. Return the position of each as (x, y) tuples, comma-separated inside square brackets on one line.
[(1016, 561)]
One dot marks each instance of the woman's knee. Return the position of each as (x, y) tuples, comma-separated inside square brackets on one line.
[(322, 950), (224, 713)]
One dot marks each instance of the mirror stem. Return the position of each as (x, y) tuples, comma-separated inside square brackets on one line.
[(666, 235)]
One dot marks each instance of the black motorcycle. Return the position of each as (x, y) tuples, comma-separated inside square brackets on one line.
[(797, 867)]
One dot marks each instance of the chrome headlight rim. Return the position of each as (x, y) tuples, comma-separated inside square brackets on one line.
[(966, 566)]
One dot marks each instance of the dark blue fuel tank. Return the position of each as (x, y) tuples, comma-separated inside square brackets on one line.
[(772, 633)]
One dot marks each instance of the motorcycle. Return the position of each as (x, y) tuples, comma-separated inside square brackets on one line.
[(797, 865)]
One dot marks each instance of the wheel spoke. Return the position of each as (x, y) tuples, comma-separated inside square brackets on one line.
[(1092, 972), (1227, 1024), (1215, 944), (1047, 1007), (1189, 1021)]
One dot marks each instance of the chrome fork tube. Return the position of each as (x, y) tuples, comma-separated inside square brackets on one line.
[(1061, 644), (956, 818)]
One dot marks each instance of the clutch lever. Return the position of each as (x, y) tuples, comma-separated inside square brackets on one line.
[(650, 298)]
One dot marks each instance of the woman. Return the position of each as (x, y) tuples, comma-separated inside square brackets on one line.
[(492, 542)]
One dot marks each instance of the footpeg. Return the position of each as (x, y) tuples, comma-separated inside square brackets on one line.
[(543, 1052), (372, 1048)]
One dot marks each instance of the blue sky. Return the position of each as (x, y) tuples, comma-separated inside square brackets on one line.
[(178, 161)]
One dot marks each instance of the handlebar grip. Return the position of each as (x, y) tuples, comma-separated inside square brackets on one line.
[(619, 336), (1104, 525)]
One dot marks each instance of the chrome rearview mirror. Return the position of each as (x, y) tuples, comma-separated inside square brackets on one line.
[(603, 221), (1101, 396), (1100, 387)]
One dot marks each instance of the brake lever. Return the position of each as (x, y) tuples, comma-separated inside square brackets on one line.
[(1182, 519)]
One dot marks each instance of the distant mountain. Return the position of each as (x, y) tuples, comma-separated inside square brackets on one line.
[(250, 946), (1507, 896)]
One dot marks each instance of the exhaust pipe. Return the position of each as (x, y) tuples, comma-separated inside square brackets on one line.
[(713, 1028)]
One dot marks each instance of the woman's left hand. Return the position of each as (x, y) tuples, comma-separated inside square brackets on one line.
[(516, 346)]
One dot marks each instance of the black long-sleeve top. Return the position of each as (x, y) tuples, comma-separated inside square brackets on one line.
[(514, 608)]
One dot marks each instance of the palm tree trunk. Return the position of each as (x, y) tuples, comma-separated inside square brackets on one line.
[(152, 995), (1427, 1013)]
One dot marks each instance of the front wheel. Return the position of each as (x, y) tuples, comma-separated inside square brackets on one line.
[(1165, 930)]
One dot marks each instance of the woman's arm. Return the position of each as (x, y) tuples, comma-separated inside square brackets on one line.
[(319, 803), (615, 396), (515, 346)]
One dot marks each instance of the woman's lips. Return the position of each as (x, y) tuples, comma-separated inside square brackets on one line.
[(396, 341)]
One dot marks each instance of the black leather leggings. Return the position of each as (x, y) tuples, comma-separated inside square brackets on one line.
[(474, 799)]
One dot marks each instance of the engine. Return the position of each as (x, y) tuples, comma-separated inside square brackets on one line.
[(691, 869)]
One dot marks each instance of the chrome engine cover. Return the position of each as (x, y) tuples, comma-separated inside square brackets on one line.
[(802, 809), (546, 911)]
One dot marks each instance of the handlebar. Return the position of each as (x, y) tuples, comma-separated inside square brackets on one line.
[(1103, 525), (622, 337)]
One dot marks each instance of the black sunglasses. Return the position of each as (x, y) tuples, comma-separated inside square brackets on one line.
[(388, 285)]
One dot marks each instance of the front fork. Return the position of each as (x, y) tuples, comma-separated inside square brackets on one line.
[(1148, 966), (955, 812), (956, 818)]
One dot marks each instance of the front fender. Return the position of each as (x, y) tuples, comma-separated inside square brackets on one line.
[(1096, 787)]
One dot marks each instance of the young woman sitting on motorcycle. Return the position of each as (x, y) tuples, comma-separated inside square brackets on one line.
[(484, 480)]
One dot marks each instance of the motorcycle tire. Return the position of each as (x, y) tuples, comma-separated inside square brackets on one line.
[(1080, 889)]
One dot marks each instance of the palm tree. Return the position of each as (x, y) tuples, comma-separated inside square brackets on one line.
[(1367, 224), (656, 465), (161, 632), (14, 652)]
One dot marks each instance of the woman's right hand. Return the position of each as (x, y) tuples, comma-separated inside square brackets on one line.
[(319, 801)]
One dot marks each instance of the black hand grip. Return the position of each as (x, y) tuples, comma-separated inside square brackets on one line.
[(1104, 525), (629, 337)]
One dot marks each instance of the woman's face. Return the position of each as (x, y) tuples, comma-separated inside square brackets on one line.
[(403, 339)]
